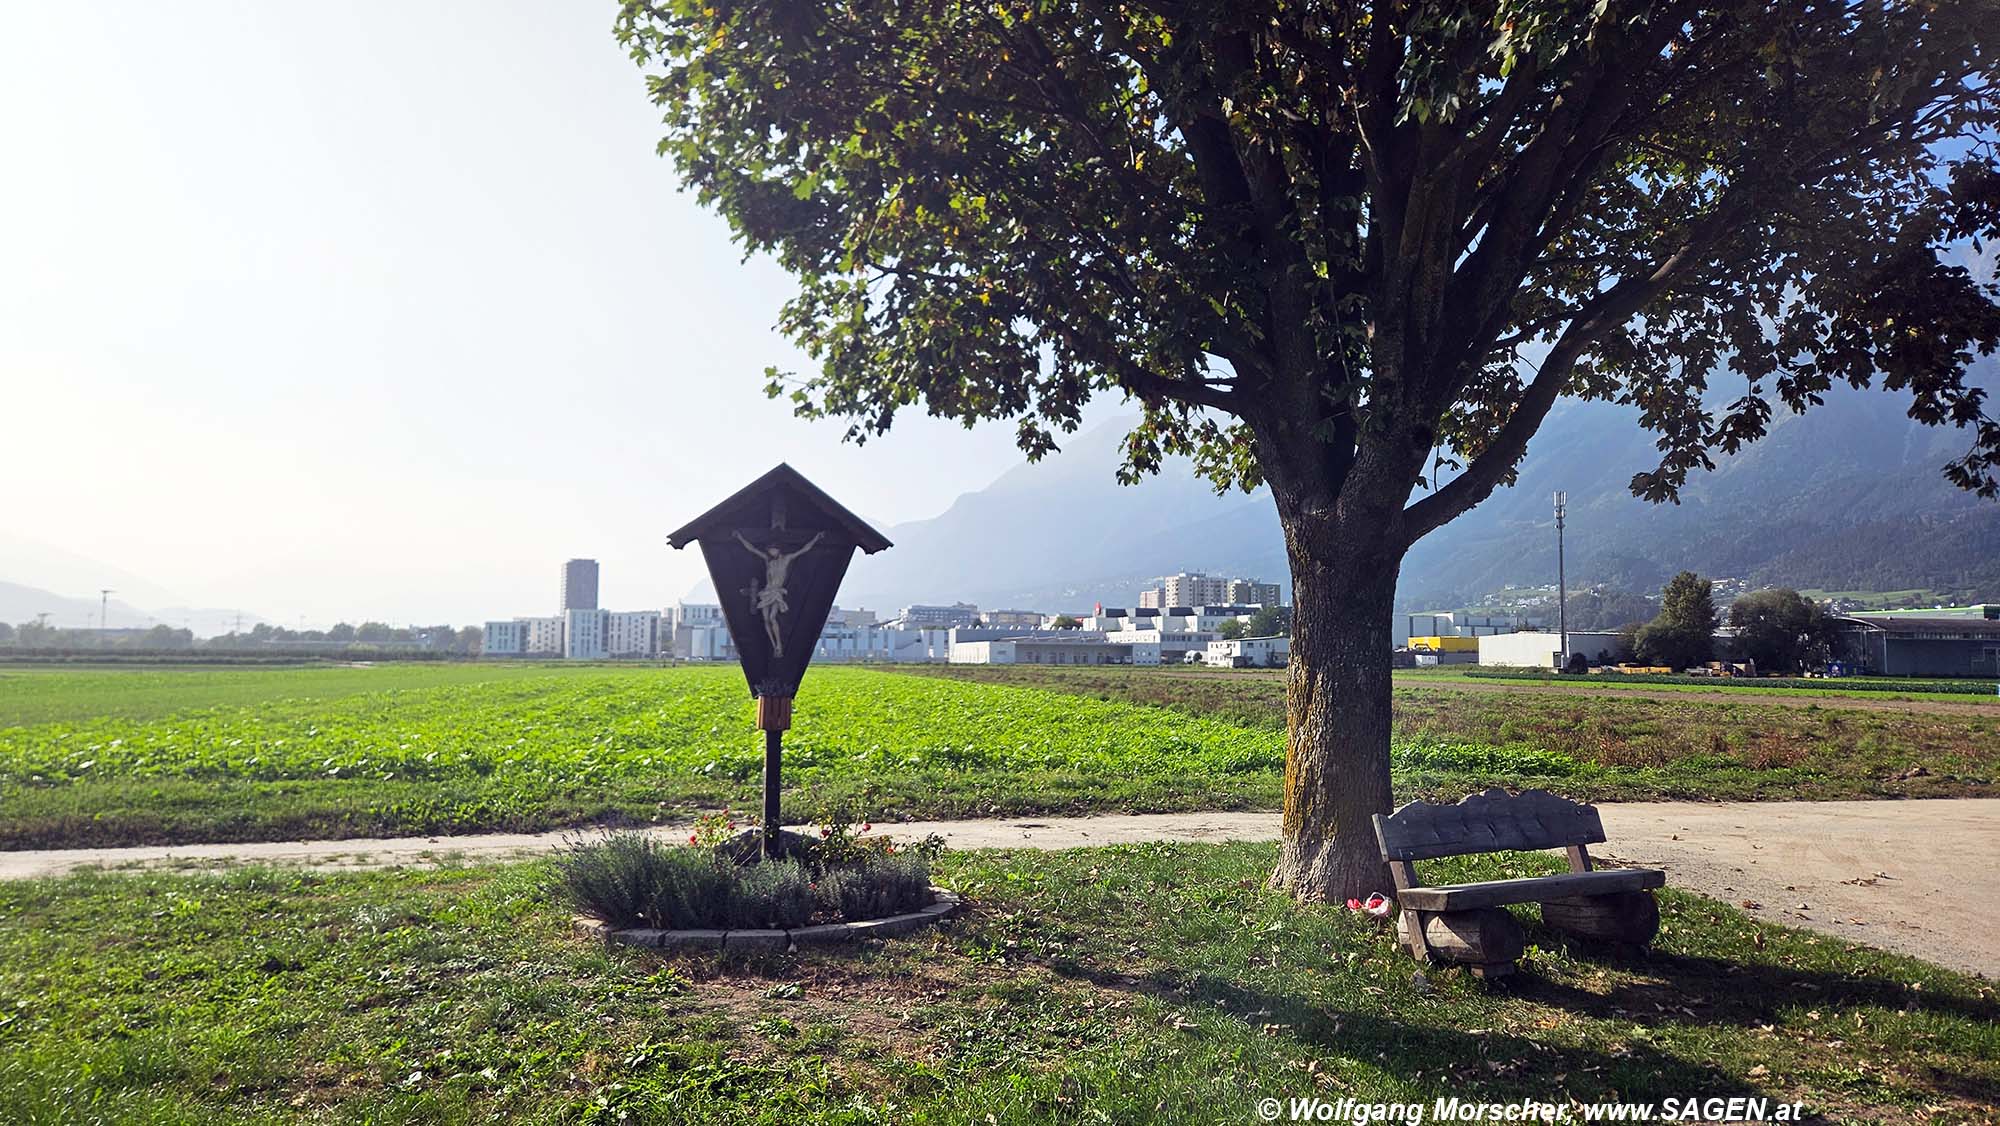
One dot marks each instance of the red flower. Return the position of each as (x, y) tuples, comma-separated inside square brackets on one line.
[(692, 839), (1354, 905), (865, 826), (732, 824), (826, 832)]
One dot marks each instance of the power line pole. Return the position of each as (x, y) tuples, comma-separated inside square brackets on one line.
[(103, 611), (1562, 584)]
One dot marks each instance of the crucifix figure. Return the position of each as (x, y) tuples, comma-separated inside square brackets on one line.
[(768, 597)]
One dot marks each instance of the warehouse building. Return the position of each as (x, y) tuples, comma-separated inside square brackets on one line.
[(1053, 647), (1542, 649), (1908, 645)]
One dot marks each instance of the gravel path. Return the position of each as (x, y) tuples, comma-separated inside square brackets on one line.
[(1919, 877)]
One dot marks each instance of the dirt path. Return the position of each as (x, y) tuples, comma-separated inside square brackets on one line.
[(1696, 696), (1918, 877)]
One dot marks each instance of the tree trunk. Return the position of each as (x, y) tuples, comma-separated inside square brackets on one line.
[(1338, 704)]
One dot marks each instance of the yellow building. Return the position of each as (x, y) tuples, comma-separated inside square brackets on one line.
[(1444, 644)]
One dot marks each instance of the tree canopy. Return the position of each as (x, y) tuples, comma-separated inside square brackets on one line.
[(1684, 632), (1353, 249), (1403, 230), (1779, 628)]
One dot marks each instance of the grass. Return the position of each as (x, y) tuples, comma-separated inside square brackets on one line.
[(1154, 983), (335, 752)]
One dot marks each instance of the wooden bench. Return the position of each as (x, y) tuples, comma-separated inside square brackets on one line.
[(1468, 922)]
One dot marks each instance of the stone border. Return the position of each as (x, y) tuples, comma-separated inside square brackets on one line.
[(943, 905)]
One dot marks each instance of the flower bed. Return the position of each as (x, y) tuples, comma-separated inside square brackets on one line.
[(719, 880)]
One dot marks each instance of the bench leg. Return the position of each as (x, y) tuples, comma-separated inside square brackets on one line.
[(1411, 924), (1629, 917), (1485, 939)]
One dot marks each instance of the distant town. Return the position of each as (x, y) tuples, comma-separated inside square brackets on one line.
[(1710, 627)]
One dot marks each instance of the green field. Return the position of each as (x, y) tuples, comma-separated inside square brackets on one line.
[(1604, 743), (180, 755), (1153, 983), (543, 748)]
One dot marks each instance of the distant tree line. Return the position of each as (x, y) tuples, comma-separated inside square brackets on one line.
[(263, 637), (1778, 629)]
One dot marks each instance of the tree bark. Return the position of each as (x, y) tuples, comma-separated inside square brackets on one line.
[(1338, 700)]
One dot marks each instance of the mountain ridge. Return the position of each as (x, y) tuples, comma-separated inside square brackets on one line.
[(1848, 495)]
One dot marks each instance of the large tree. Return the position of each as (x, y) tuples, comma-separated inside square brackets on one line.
[(1779, 628), (1353, 251), (1683, 633)]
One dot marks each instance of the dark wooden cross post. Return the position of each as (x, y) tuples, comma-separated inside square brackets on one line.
[(776, 551)]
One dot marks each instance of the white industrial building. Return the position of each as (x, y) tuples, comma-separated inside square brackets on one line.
[(1197, 619), (1542, 649), (1451, 623), (1013, 619), (879, 642), (1248, 652), (924, 616), (1053, 647)]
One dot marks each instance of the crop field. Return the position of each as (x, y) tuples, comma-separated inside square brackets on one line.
[(106, 757), (1605, 744), (337, 753)]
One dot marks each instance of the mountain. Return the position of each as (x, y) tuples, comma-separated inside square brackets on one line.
[(1847, 496), (1062, 533), (22, 603)]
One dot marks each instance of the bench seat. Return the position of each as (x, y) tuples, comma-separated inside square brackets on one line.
[(1536, 889)]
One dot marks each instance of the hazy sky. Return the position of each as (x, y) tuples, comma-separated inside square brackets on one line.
[(379, 310)]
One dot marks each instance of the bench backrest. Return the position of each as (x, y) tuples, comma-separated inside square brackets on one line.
[(1494, 821)]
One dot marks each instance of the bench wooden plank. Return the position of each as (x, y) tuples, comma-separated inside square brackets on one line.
[(1493, 821), (1494, 893)]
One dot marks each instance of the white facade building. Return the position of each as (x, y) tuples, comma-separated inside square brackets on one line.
[(523, 637), (504, 639), (695, 631), (1543, 649), (544, 636), (1248, 652), (584, 635), (631, 633)]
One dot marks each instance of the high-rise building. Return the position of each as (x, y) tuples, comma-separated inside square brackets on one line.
[(1250, 592), (1192, 588), (579, 585)]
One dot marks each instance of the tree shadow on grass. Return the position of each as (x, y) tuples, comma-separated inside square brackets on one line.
[(1727, 992), (1442, 1062)]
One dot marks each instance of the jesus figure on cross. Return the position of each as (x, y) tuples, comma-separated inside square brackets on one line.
[(768, 597)]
